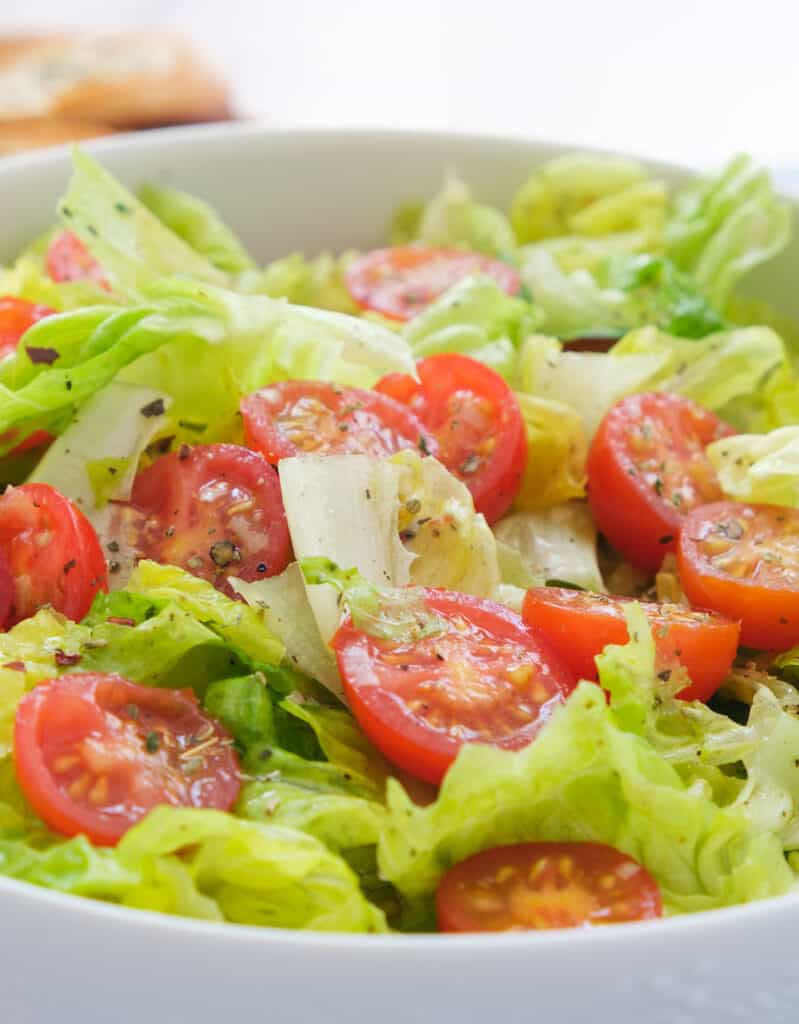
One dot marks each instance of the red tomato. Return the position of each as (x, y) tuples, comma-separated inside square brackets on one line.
[(68, 259), (580, 625), (487, 679), (647, 468), (743, 561), (215, 510), (400, 282), (476, 421), (52, 550), (535, 886), (311, 417), (95, 753), (16, 316), (6, 590)]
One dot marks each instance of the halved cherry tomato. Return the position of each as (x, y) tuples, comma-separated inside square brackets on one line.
[(6, 590), (580, 625), (68, 259), (16, 316), (311, 417), (534, 886), (215, 510), (647, 468), (486, 679), (476, 421), (95, 753), (400, 282), (743, 561), (52, 551)]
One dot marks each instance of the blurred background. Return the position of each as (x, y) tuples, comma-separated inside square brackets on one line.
[(690, 81)]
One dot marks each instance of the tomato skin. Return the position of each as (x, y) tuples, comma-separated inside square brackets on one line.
[(532, 886), (399, 282), (216, 510), (476, 421), (647, 468), (488, 680), (6, 590), (742, 561), (95, 753), (316, 418), (580, 625), (68, 259), (52, 551), (16, 316)]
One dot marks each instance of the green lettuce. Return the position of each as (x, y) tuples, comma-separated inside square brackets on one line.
[(581, 194), (476, 318), (759, 467), (203, 864), (720, 227), (199, 225), (557, 449), (317, 282), (453, 218)]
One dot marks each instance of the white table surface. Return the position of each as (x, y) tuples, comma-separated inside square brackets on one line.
[(691, 80)]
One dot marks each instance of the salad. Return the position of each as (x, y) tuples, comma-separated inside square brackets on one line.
[(448, 586)]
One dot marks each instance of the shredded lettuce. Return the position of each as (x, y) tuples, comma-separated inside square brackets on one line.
[(557, 449), (476, 318), (453, 218), (720, 227), (759, 467)]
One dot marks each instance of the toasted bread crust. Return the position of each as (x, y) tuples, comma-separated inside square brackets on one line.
[(36, 133), (126, 80)]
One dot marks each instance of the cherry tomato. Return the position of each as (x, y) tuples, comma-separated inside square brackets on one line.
[(534, 886), (215, 510), (476, 421), (6, 590), (16, 316), (486, 679), (311, 417), (95, 753), (52, 551), (580, 625), (68, 259), (743, 561), (400, 282), (647, 468)]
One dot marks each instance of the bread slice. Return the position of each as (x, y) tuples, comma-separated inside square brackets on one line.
[(125, 80), (35, 133)]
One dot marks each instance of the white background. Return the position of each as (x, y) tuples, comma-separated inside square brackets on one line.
[(687, 80)]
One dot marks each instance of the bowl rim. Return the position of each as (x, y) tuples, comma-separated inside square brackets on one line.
[(669, 929)]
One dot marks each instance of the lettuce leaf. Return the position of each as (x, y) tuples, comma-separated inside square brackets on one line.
[(199, 225), (453, 218), (759, 467), (476, 318), (591, 195), (554, 544), (557, 449), (204, 864), (720, 227), (134, 248), (317, 282)]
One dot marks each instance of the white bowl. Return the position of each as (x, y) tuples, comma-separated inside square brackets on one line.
[(67, 959)]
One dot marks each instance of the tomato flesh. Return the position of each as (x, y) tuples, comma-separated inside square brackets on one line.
[(477, 424), (532, 886), (16, 316), (400, 282), (485, 679), (647, 468), (68, 259), (312, 417), (215, 510), (579, 625), (95, 753), (743, 561), (6, 590), (52, 552)]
